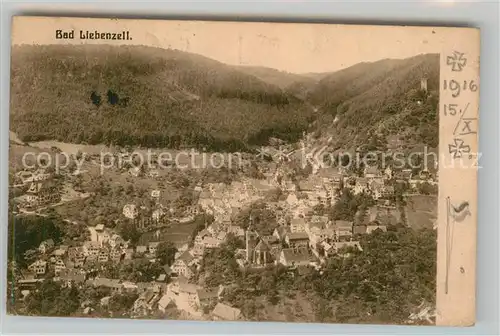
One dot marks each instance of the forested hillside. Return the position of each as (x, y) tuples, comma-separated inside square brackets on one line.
[(370, 101), (155, 97), (145, 96)]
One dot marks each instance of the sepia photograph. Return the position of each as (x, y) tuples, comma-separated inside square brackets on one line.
[(242, 171)]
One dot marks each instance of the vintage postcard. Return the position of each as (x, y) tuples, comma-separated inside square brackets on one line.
[(198, 170)]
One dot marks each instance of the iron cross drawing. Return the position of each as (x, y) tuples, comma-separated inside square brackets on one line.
[(457, 61), (458, 148)]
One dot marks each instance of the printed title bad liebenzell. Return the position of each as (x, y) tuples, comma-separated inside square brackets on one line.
[(92, 35)]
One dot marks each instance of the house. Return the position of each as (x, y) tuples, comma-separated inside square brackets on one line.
[(130, 211), (41, 193), (318, 221), (129, 286), (103, 256), (223, 312), (292, 257), (338, 246), (99, 227), (331, 176), (211, 242), (155, 193), (403, 175), (116, 255), (189, 294), (157, 215), (201, 236), (215, 228), (164, 302), (71, 277), (198, 250), (45, 246), (145, 302), (103, 237), (372, 172), (60, 251), (115, 240), (379, 190), (343, 230), (39, 267), (361, 186), (77, 256), (36, 176), (328, 249), (371, 228), (236, 231), (153, 248), (141, 249), (181, 265), (297, 239), (297, 225), (113, 284), (59, 266), (381, 214), (91, 248), (359, 229), (207, 297)]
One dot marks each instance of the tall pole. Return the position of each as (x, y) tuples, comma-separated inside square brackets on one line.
[(448, 246)]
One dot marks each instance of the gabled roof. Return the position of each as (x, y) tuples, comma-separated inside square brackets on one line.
[(361, 180), (296, 255), (329, 172), (225, 312), (297, 236), (165, 300), (188, 288), (186, 257), (298, 221), (342, 224), (359, 229), (207, 294)]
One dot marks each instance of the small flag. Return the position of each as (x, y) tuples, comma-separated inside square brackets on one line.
[(460, 212)]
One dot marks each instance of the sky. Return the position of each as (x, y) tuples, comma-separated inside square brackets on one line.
[(296, 48)]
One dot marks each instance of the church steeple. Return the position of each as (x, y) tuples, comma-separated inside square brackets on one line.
[(250, 240)]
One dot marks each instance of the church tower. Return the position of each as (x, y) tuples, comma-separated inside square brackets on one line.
[(423, 84), (250, 240)]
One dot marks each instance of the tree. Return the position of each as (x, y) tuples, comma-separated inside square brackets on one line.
[(129, 231), (166, 253)]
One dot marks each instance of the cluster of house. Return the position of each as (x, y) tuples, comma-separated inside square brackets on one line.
[(63, 260), (145, 217), (41, 188), (223, 201)]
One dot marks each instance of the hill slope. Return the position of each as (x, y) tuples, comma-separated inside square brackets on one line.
[(369, 102), (272, 76), (145, 96)]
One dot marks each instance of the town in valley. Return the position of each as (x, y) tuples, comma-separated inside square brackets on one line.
[(274, 236)]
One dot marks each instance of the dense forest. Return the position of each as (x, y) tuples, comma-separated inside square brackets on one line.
[(375, 100), (145, 96), (155, 97)]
